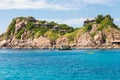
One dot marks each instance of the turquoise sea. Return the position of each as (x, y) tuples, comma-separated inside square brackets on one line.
[(36, 64)]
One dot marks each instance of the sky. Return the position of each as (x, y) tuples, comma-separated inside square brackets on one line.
[(71, 12)]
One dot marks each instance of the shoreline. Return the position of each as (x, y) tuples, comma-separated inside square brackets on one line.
[(86, 48)]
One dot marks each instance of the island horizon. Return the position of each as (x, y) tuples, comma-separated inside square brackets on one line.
[(59, 39), (27, 32)]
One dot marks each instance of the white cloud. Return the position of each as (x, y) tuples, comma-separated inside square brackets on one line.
[(117, 21), (38, 4), (48, 4)]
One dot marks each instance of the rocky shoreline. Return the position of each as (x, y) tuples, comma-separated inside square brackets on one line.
[(29, 33), (58, 48), (32, 45)]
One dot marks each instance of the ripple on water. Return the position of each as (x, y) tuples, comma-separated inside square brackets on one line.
[(38, 64)]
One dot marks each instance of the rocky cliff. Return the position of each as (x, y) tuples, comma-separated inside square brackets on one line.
[(27, 32)]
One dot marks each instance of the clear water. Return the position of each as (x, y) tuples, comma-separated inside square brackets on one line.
[(60, 65)]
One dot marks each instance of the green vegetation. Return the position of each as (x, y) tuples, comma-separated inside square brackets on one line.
[(18, 35), (73, 35), (87, 27), (53, 23), (66, 27), (43, 22), (11, 28), (39, 31), (52, 35), (52, 32), (93, 34), (70, 36), (99, 18), (29, 25), (35, 32), (21, 18), (104, 22)]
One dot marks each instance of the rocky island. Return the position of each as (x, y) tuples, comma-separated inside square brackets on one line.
[(27, 32)]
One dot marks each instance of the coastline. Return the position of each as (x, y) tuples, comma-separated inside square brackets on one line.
[(29, 33), (52, 48)]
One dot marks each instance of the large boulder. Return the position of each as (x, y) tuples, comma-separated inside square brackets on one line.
[(85, 40), (3, 43), (62, 41), (98, 38), (41, 42)]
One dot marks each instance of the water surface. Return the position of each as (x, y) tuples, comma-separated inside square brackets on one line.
[(36, 64)]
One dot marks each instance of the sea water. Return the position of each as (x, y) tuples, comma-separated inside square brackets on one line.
[(36, 64)]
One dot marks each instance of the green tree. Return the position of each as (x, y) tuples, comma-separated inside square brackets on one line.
[(67, 28), (29, 25), (53, 23), (109, 19), (99, 18)]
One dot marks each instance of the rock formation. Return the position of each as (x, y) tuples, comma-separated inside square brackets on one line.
[(27, 32)]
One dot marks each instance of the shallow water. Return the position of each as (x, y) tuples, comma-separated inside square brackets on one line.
[(36, 64)]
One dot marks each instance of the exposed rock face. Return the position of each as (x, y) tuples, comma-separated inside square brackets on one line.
[(94, 28), (111, 35), (3, 43), (62, 41), (98, 38), (24, 35), (18, 20), (41, 42), (19, 25), (85, 40)]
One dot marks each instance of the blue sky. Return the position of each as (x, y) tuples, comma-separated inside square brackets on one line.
[(71, 12)]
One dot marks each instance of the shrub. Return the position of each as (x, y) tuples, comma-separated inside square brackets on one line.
[(93, 34), (53, 23), (21, 18), (73, 35), (107, 21), (87, 27), (29, 25), (52, 35), (99, 18), (39, 31), (11, 28), (18, 35)]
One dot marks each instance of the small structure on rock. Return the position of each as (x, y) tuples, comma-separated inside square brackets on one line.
[(56, 28), (89, 21), (37, 24)]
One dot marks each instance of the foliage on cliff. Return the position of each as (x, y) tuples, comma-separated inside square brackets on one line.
[(11, 28), (35, 28)]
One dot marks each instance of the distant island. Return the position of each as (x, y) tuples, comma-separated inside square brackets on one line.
[(27, 32)]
